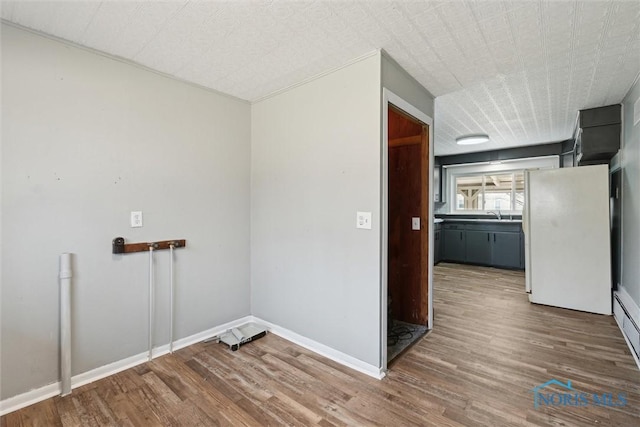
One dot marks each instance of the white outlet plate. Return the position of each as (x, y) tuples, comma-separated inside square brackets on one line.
[(415, 223), (363, 220), (136, 219)]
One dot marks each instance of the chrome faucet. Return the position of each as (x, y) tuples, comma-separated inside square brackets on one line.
[(498, 214)]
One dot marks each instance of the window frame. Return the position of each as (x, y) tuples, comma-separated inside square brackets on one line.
[(490, 168), (483, 186)]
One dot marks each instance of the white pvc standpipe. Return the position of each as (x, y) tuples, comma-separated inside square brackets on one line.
[(150, 302), (171, 301), (65, 275)]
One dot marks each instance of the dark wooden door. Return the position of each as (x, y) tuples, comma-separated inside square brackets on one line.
[(408, 248)]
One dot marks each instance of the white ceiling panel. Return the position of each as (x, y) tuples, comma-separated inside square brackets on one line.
[(516, 70)]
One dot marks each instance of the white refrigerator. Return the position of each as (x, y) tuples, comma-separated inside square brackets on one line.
[(567, 243)]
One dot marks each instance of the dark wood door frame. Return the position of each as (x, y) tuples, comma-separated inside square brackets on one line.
[(391, 99)]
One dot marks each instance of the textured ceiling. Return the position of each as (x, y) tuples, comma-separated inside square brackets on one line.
[(516, 70)]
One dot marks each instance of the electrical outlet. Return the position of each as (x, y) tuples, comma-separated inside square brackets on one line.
[(136, 219), (363, 220)]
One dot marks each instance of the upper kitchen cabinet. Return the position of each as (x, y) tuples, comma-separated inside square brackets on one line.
[(598, 135), (438, 182)]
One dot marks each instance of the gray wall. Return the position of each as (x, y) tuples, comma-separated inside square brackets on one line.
[(398, 81), (85, 140), (630, 162), (315, 163)]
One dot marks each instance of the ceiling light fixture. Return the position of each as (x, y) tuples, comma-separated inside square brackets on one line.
[(472, 139)]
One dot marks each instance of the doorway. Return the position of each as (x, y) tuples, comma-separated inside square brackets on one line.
[(408, 229)]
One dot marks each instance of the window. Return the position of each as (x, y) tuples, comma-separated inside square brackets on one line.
[(483, 187), (490, 191), (518, 185)]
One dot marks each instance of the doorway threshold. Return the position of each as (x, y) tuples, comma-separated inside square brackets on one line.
[(401, 336)]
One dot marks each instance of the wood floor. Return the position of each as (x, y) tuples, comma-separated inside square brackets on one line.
[(488, 350)]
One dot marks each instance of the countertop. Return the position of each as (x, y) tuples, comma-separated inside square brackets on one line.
[(481, 220)]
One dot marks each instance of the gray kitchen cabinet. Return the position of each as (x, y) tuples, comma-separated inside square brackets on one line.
[(437, 243), (454, 243), (479, 245), (598, 137), (505, 249), (437, 184), (497, 244), (522, 266)]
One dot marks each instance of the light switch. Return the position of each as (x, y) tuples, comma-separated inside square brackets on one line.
[(136, 219), (415, 223), (363, 220)]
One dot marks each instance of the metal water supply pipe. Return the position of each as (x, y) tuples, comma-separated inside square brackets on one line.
[(151, 305), (171, 247), (65, 275)]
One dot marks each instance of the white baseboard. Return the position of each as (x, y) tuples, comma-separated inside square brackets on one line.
[(624, 335), (201, 336), (629, 304), (323, 350), (37, 395), (29, 398)]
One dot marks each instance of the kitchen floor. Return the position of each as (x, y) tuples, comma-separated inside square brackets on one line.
[(493, 353)]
